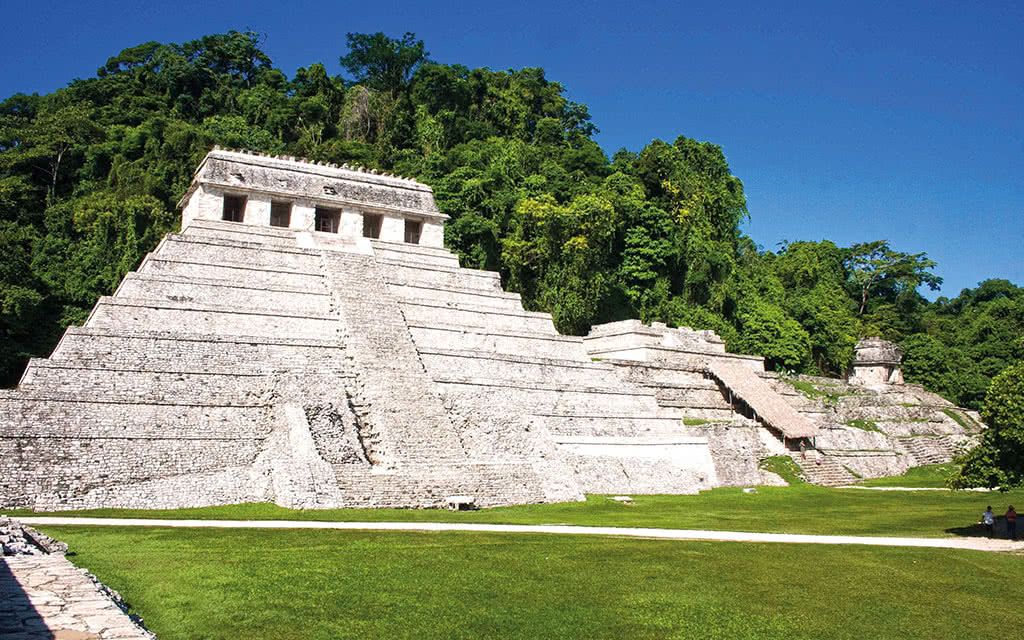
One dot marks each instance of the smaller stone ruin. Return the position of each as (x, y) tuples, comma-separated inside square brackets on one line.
[(877, 362)]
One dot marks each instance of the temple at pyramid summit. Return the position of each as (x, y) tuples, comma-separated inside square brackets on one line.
[(306, 339)]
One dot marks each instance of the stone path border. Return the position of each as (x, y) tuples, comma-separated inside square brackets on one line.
[(45, 597), (974, 544)]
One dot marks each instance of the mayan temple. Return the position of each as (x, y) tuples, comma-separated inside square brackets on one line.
[(306, 339)]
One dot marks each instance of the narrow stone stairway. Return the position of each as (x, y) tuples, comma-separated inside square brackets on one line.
[(928, 449), (821, 470)]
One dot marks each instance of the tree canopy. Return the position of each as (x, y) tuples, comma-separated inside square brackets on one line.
[(998, 460)]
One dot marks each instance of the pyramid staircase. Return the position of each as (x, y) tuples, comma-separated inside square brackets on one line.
[(488, 355), (822, 470)]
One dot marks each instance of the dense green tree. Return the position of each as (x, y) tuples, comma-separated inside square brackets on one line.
[(92, 241), (383, 63), (874, 267), (966, 341), (813, 277), (998, 460), (22, 301), (765, 329)]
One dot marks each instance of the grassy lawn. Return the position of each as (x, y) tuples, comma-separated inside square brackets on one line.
[(192, 583), (795, 509), (784, 467), (932, 476)]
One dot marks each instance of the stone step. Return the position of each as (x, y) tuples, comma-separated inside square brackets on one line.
[(173, 351), (485, 297), (439, 276), (218, 251), (416, 255), (232, 273), (243, 296), (552, 397), (709, 398), (829, 473), (401, 403), (90, 418), (431, 335), (208, 319), (714, 414), (610, 425), (472, 363), (683, 384), (239, 232), (477, 318), (473, 300), (409, 249), (927, 450), (43, 378), (489, 483), (653, 375)]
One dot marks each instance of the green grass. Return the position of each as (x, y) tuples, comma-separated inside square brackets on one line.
[(932, 475), (796, 509), (814, 392), (695, 422), (784, 467), (960, 419), (863, 425), (319, 585)]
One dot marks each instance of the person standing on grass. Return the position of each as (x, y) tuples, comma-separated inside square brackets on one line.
[(989, 520), (1011, 523)]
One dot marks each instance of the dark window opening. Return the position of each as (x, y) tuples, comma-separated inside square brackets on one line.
[(412, 231), (280, 214), (371, 225), (328, 220), (234, 209)]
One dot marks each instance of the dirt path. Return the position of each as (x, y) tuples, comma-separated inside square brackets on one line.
[(976, 544)]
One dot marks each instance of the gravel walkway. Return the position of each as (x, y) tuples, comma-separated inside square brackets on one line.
[(976, 544)]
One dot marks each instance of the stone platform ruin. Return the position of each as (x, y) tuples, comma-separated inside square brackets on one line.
[(306, 339), (869, 426)]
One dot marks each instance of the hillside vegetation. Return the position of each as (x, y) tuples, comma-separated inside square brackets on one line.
[(89, 176)]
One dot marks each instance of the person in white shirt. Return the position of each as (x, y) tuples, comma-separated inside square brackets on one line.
[(989, 520)]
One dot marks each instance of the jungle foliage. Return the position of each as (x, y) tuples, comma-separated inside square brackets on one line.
[(89, 175), (998, 460)]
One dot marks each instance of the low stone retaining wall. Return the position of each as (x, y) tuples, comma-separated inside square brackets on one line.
[(44, 596)]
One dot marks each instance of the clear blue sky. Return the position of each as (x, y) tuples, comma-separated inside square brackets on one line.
[(890, 120)]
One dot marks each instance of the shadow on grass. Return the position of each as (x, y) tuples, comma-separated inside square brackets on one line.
[(978, 530)]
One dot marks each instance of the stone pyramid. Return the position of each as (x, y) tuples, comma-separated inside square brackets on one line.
[(306, 339)]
